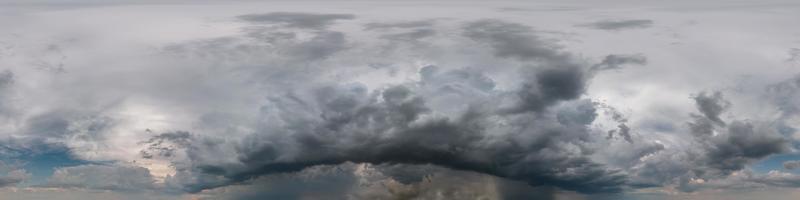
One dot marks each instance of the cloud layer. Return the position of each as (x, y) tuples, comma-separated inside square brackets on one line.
[(355, 101)]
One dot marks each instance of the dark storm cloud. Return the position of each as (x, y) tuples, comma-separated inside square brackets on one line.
[(297, 20), (616, 61), (399, 25), (550, 86), (620, 24), (358, 129), (791, 165), (338, 123), (365, 181), (318, 182)]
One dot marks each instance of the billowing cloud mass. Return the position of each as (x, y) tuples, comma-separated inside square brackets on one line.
[(391, 100)]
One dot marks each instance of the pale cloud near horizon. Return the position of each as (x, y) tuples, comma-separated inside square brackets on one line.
[(408, 100)]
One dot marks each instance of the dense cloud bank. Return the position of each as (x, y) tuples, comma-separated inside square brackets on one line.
[(535, 134), (309, 105)]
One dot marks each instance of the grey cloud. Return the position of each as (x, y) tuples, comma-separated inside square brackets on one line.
[(319, 182), (550, 86), (412, 35), (7, 79), (664, 168), (625, 132), (398, 25), (12, 174), (718, 150), (742, 144), (68, 124), (620, 24), (102, 177), (256, 47), (582, 112), (712, 106), (24, 146), (634, 152), (748, 180), (365, 181), (794, 55), (560, 78), (457, 80), (622, 128), (289, 108), (413, 123), (784, 95), (616, 61), (514, 41), (791, 165), (321, 46), (779, 179), (165, 144), (355, 127), (297, 20), (731, 146)]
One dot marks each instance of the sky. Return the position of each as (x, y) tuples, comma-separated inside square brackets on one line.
[(543, 99)]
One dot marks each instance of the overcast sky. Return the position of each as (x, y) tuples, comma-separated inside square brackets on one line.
[(399, 100)]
